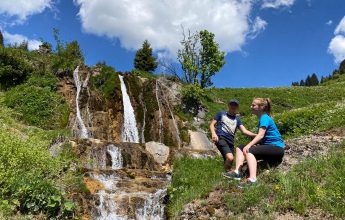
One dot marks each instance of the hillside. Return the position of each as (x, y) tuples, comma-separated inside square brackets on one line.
[(311, 120), (63, 127)]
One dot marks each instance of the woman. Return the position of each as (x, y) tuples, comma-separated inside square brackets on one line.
[(267, 145)]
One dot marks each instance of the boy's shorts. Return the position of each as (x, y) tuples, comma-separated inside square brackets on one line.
[(225, 146)]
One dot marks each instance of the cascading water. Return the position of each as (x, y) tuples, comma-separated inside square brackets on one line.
[(83, 133), (118, 190), (160, 114), (144, 119), (130, 130), (178, 139)]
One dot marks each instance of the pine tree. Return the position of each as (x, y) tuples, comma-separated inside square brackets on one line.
[(307, 81), (314, 81), (342, 67), (144, 60), (302, 83), (1, 39)]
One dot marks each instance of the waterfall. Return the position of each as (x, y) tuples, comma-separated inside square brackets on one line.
[(130, 130), (160, 114), (178, 139), (116, 157), (144, 118), (124, 198), (153, 208), (83, 133)]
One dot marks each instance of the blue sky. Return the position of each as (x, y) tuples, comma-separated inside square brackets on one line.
[(268, 42)]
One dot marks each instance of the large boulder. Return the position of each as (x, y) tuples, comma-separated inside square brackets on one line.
[(159, 151), (199, 141)]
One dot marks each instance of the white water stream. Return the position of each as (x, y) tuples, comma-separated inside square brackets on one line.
[(130, 130), (83, 132)]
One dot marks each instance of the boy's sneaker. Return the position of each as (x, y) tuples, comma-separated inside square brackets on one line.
[(232, 175), (247, 183)]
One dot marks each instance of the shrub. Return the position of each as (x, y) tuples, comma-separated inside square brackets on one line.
[(14, 69), (26, 178), (191, 96), (68, 57), (38, 106), (107, 81)]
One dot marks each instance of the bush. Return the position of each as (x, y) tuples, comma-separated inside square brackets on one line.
[(107, 81), (38, 106), (68, 57), (26, 178), (43, 80), (191, 96), (14, 69)]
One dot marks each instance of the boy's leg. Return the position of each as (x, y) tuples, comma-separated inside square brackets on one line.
[(239, 158), (227, 152), (229, 157)]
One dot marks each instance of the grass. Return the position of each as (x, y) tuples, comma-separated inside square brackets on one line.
[(283, 98), (192, 178), (32, 181), (314, 183)]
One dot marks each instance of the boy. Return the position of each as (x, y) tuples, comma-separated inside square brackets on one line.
[(223, 129)]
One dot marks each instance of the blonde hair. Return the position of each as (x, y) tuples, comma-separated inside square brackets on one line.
[(265, 104)]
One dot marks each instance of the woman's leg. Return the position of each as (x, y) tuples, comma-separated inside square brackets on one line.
[(265, 152), (252, 165)]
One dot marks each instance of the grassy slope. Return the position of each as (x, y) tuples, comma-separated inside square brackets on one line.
[(24, 157), (298, 111)]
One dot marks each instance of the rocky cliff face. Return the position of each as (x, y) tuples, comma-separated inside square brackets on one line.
[(153, 102)]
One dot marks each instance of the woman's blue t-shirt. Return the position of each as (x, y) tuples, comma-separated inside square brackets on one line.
[(272, 135)]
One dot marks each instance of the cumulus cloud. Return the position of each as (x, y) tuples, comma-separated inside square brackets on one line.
[(337, 45), (330, 22), (21, 9), (341, 27), (17, 39), (160, 21), (277, 3)]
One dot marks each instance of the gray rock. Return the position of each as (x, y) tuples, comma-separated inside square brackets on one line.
[(199, 141), (159, 151)]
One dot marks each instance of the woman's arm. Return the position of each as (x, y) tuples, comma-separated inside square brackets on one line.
[(256, 140), (213, 130), (246, 132)]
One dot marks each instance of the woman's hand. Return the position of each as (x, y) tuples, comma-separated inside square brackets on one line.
[(215, 137), (246, 149)]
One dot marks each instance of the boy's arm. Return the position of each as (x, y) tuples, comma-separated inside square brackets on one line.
[(246, 132), (213, 130)]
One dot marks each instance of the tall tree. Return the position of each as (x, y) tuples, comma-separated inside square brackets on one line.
[(307, 81), (342, 67), (1, 39), (200, 58), (143, 58), (211, 58), (314, 81), (302, 83)]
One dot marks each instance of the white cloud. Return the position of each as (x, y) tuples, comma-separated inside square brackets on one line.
[(341, 27), (258, 26), (21, 9), (337, 48), (337, 45), (160, 21), (330, 22), (277, 3), (17, 39)]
